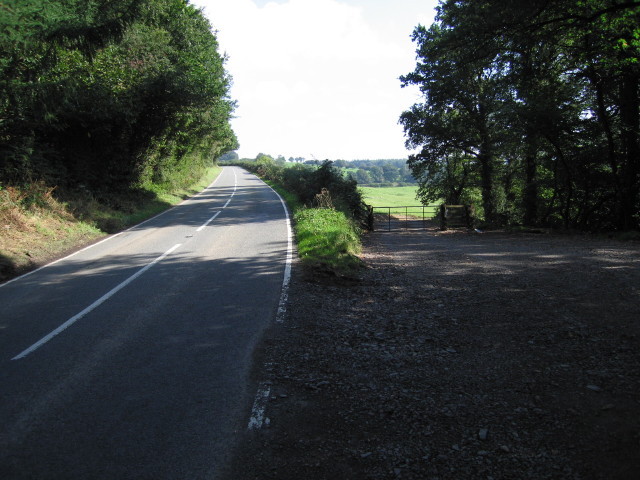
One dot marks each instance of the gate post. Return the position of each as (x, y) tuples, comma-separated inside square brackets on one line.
[(469, 211), (443, 217)]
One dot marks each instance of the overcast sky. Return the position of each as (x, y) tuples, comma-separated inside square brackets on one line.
[(319, 78)]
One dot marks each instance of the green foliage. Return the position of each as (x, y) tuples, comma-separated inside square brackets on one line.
[(370, 172), (327, 239), (305, 182), (110, 95), (536, 105)]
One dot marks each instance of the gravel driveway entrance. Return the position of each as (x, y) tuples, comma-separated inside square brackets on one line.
[(457, 356)]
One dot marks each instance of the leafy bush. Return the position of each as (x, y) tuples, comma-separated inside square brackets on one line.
[(306, 181), (329, 236)]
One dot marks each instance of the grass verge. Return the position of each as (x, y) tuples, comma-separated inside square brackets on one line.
[(327, 239), (37, 227)]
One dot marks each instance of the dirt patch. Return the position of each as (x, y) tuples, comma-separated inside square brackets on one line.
[(457, 356)]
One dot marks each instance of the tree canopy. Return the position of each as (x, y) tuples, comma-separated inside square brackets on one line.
[(530, 109), (109, 94)]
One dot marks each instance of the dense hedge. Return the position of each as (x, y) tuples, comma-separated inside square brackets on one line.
[(307, 182), (106, 96)]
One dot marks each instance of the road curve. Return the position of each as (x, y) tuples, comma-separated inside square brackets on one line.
[(130, 359)]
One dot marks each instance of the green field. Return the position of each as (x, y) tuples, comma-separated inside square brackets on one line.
[(395, 198), (390, 196)]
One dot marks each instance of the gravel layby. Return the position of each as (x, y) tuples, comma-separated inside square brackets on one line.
[(456, 355)]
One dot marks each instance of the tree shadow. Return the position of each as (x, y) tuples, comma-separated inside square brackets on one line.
[(7, 268)]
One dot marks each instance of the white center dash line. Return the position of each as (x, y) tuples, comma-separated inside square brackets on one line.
[(94, 305), (259, 407), (235, 187), (207, 222)]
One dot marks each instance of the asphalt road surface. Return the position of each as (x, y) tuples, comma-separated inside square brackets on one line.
[(130, 359)]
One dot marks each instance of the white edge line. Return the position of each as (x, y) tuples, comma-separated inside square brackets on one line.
[(112, 236), (284, 296), (262, 396), (91, 307), (259, 406)]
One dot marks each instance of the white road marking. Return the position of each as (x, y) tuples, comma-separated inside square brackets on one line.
[(235, 187), (259, 406), (208, 222), (284, 295), (262, 396), (115, 290), (94, 305)]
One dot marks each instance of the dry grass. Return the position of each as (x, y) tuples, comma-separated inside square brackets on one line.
[(35, 228)]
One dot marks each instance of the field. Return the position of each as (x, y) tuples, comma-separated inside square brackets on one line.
[(396, 199), (390, 196)]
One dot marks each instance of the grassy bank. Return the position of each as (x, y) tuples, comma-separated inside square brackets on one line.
[(37, 226), (327, 240)]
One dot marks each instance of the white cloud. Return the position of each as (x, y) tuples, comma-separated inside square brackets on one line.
[(319, 77)]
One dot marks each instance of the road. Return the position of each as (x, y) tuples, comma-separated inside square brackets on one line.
[(130, 359)]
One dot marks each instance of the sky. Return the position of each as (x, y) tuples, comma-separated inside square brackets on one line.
[(319, 79)]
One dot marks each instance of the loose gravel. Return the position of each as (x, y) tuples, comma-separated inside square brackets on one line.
[(456, 355)]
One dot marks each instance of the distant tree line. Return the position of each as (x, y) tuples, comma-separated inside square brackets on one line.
[(379, 172), (109, 95), (364, 172), (531, 110)]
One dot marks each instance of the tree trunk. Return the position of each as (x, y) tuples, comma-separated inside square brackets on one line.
[(485, 158), (630, 171), (486, 177), (530, 200)]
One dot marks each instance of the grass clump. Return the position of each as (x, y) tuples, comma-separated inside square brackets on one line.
[(36, 226), (327, 239)]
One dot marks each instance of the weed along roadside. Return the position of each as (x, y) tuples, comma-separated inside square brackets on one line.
[(39, 224)]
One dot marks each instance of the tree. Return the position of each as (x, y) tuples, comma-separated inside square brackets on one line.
[(391, 173), (362, 176), (544, 96), (460, 115), (229, 157), (110, 94)]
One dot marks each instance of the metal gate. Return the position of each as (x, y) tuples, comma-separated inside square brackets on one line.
[(421, 217), (416, 217)]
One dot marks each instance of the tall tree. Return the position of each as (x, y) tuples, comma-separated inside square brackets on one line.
[(460, 115), (109, 94), (567, 108)]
